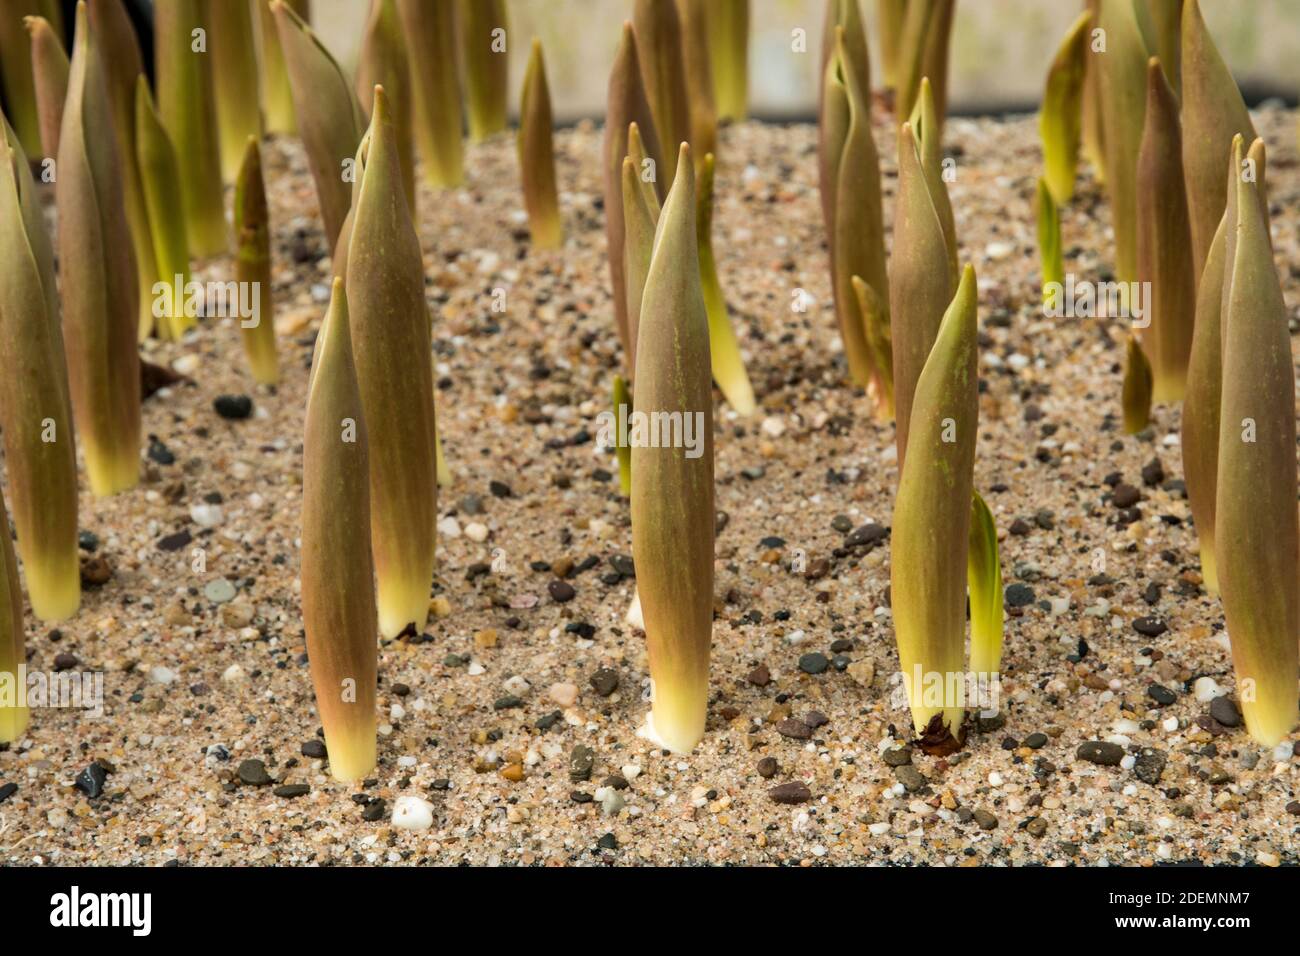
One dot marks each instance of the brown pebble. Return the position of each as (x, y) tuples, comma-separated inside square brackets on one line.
[(760, 676), (767, 768), (1125, 496), (796, 729), (95, 570), (790, 793)]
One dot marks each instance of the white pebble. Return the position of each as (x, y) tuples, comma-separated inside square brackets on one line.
[(774, 425), (206, 515), (563, 694), (412, 813), (630, 771), (1283, 752), (396, 712), (611, 801), (995, 779), (1206, 689), (406, 760), (161, 675), (475, 669), (233, 674), (879, 829), (517, 685), (476, 531), (1128, 762), (449, 527), (1170, 724)]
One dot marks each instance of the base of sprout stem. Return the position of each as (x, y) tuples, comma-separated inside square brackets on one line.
[(112, 474), (674, 742), (352, 756), (546, 236), (13, 723), (1167, 389), (1270, 725), (54, 592), (937, 738), (399, 614)]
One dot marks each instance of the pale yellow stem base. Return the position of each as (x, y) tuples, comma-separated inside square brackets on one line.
[(402, 604), (13, 723), (54, 585), (111, 473), (353, 752)]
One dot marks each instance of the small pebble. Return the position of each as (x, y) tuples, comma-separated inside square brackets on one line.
[(790, 793), (1100, 752), (233, 407), (253, 773), (412, 813)]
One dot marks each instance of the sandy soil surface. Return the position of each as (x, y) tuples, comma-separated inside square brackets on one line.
[(515, 714)]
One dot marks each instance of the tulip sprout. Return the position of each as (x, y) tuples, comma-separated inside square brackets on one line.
[(329, 116), (626, 106), (338, 591), (385, 62), (430, 35), (50, 74), (163, 194), (484, 52), (537, 155), (394, 367), (1213, 112), (852, 209), (1164, 251), (123, 65), (253, 264), (1060, 121), (728, 33), (1257, 531), (234, 74), (35, 409), (931, 533), (276, 96), (187, 103), (100, 307), (1122, 71), (672, 490), (663, 75), (724, 351)]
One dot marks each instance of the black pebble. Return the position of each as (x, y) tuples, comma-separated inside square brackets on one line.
[(813, 663), (91, 780), (1019, 595), (1150, 626), (314, 749), (233, 407), (1161, 695)]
